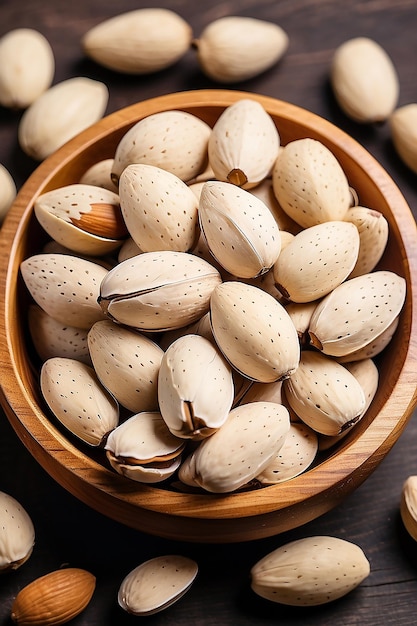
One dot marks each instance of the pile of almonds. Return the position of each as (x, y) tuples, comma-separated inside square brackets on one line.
[(192, 301)]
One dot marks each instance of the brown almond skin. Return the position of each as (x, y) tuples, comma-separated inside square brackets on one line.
[(54, 599)]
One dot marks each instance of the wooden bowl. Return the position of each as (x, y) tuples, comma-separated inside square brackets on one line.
[(208, 517)]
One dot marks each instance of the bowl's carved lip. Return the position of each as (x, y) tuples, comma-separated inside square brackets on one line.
[(45, 442)]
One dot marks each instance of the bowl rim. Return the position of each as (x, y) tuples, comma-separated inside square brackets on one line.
[(90, 481)]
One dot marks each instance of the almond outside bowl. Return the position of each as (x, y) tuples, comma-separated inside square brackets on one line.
[(193, 517)]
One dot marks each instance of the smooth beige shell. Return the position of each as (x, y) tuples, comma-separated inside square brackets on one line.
[(310, 184), (78, 400), (316, 261), (195, 387), (65, 286), (7, 191), (241, 449), (403, 127), (157, 291), (356, 312), (143, 449), (408, 506), (27, 67), (364, 80), (310, 571), (159, 210), (17, 533), (244, 144), (156, 584), (127, 364), (138, 42), (99, 174), (254, 332), (324, 394), (159, 139), (55, 598), (84, 218), (235, 48), (239, 229), (60, 113)]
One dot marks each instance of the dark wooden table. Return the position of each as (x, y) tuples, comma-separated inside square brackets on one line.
[(69, 532)]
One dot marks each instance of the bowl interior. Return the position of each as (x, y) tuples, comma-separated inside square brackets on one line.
[(166, 512)]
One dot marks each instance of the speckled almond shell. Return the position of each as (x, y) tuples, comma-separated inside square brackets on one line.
[(51, 338), (127, 364), (65, 286), (157, 291), (373, 231), (244, 144), (310, 571), (240, 230), (310, 184), (159, 209), (254, 332), (317, 260), (156, 584), (195, 387), (159, 139), (296, 455), (78, 400), (324, 394), (356, 312), (241, 449)]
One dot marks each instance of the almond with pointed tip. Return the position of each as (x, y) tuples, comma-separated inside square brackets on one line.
[(65, 286), (173, 140), (235, 48), (156, 584), (373, 229), (241, 449), (239, 229), (324, 394), (244, 144), (138, 42), (60, 113), (159, 209), (55, 598), (254, 332), (310, 571), (127, 364), (356, 312), (317, 260), (310, 184), (364, 80), (27, 67), (195, 387), (78, 400)]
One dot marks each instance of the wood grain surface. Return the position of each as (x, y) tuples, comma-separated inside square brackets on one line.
[(67, 531)]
